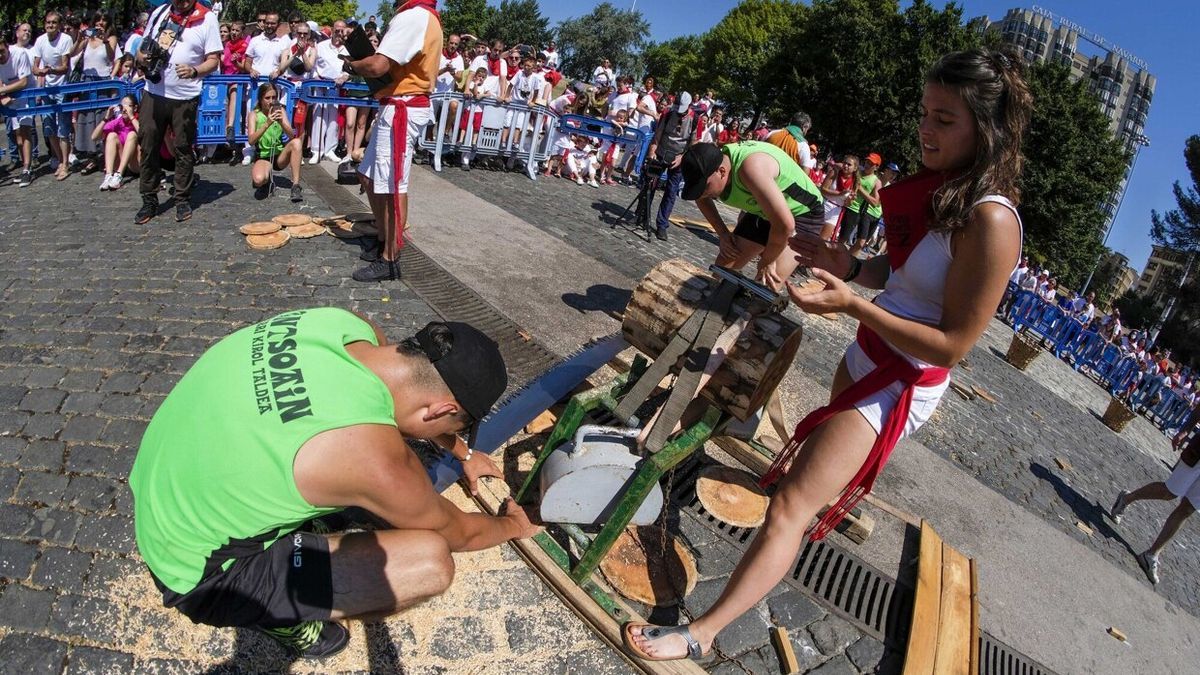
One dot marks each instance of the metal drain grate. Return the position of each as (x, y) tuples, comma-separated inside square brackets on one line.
[(838, 580), (997, 658), (449, 297)]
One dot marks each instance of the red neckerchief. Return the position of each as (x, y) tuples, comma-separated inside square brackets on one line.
[(139, 31), (494, 65), (446, 53), (199, 11), (908, 210)]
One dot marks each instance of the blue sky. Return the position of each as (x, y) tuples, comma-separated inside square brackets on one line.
[(1161, 32)]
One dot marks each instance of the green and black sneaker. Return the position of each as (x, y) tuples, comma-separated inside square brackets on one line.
[(311, 639)]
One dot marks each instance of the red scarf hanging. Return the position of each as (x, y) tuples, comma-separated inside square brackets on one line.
[(907, 209), (195, 18)]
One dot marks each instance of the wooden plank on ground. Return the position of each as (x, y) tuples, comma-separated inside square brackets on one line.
[(974, 666), (954, 616), (920, 656), (788, 665), (579, 602), (688, 222)]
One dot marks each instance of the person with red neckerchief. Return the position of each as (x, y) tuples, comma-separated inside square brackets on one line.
[(409, 54), (954, 237)]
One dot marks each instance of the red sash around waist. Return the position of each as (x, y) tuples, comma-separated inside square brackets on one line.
[(399, 149), (889, 367)]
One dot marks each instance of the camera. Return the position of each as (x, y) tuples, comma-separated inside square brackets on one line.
[(156, 60), (655, 166)]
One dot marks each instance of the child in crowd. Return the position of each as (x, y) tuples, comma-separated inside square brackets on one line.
[(581, 162), (610, 151), (118, 135), (839, 187), (479, 88), (268, 125)]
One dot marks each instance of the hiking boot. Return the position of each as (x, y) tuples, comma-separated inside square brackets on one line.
[(1149, 565), (183, 211), (378, 270), (311, 639), (297, 193), (372, 253), (1119, 506), (148, 211)]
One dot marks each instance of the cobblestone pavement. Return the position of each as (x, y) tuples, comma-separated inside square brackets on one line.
[(1048, 413), (98, 319)]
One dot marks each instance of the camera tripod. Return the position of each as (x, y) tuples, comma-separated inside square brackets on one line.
[(641, 204)]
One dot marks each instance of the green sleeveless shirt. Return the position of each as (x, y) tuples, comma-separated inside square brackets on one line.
[(868, 183), (801, 194), (270, 144), (213, 476)]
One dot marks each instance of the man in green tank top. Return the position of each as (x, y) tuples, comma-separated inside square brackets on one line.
[(294, 418), (775, 195)]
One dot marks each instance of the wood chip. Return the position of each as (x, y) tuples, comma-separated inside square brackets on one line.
[(964, 364), (266, 242), (732, 496), (306, 231), (292, 219), (962, 391), (541, 423), (783, 650), (983, 393), (1084, 528), (525, 336), (262, 227), (1118, 633), (1063, 464)]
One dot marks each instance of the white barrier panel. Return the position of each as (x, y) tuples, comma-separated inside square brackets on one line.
[(514, 130)]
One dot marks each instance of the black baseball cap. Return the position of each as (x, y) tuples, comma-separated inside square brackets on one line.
[(473, 368), (699, 162)]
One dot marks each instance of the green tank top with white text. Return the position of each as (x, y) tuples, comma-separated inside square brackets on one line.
[(213, 481), (801, 193)]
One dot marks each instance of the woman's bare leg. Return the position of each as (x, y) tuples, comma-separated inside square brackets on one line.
[(127, 152), (112, 148)]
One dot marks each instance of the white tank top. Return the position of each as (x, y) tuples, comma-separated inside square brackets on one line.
[(916, 290), (96, 62)]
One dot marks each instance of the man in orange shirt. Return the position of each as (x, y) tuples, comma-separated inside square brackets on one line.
[(409, 55)]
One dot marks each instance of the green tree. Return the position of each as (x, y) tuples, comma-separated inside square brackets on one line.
[(325, 12), (1073, 164), (385, 12), (519, 22), (1179, 229), (606, 32), (466, 16), (744, 52), (674, 63)]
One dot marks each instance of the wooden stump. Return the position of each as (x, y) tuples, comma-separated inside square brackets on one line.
[(668, 295)]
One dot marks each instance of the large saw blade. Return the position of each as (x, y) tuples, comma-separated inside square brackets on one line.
[(517, 410)]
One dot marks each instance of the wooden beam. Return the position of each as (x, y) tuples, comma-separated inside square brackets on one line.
[(974, 665), (788, 665), (921, 654), (954, 616)]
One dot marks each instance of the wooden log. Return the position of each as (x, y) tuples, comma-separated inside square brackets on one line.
[(954, 616), (668, 295)]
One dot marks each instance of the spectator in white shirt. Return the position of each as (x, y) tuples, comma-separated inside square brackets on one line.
[(552, 57), (328, 66), (262, 58), (712, 131), (134, 41), (16, 73), (51, 63), (1085, 309), (479, 88), (605, 69)]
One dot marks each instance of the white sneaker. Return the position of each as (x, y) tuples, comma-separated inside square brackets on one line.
[(246, 160), (332, 156), (1149, 565), (579, 180), (71, 159), (315, 159), (593, 183), (104, 184), (1118, 506)]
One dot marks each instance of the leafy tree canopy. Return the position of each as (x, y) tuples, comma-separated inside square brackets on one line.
[(325, 12), (604, 33), (519, 22), (466, 16)]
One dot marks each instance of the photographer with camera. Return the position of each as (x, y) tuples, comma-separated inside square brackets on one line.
[(182, 46), (674, 134)]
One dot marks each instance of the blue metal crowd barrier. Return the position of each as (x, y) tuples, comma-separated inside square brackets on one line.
[(211, 119), (78, 96), (510, 129), (1123, 376), (604, 130), (320, 92)]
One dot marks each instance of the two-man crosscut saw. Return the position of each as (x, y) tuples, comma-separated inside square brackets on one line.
[(520, 408)]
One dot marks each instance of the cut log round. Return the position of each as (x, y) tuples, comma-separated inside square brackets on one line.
[(292, 219), (262, 227), (306, 231), (668, 295), (642, 568), (266, 242), (732, 496)]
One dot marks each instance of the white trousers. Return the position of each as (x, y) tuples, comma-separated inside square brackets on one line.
[(324, 129)]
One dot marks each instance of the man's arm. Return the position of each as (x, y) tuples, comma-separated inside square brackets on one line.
[(758, 173), (709, 209)]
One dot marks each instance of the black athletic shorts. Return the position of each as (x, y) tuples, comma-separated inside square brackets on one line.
[(758, 229), (857, 225), (291, 581)]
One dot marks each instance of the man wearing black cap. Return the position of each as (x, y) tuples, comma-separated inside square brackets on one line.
[(297, 417), (775, 195)]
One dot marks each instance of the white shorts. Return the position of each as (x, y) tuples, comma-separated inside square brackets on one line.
[(1185, 482), (376, 163), (877, 406)]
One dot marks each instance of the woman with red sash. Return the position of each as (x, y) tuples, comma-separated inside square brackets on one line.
[(953, 238)]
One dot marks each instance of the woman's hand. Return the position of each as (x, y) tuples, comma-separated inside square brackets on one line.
[(835, 298), (277, 115), (813, 251)]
